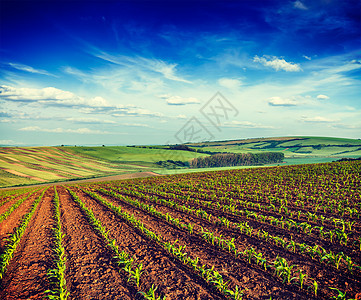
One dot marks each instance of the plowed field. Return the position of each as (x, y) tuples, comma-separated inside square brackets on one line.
[(290, 232)]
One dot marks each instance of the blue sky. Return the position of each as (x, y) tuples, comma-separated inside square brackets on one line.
[(137, 72)]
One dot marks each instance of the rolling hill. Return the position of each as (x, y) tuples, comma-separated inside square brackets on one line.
[(33, 165)]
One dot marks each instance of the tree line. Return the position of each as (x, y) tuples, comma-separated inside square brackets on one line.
[(237, 159)]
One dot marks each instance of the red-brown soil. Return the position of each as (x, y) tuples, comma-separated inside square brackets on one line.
[(13, 220), (174, 279), (26, 277), (92, 272)]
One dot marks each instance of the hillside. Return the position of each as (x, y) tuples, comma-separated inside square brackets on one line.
[(32, 165), (292, 147)]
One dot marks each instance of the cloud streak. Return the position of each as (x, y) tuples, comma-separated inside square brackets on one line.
[(168, 70), (177, 100), (29, 69), (246, 124), (62, 130)]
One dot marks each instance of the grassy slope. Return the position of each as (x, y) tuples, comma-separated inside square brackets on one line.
[(134, 156), (292, 147), (63, 163)]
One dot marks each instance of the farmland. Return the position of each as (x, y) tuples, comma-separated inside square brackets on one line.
[(20, 166), (290, 232)]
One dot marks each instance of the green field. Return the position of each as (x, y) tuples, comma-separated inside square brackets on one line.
[(33, 165), (292, 147)]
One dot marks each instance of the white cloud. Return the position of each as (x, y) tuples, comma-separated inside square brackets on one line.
[(278, 101), (48, 95), (317, 119), (140, 112), (62, 130), (29, 69), (135, 125), (9, 142), (298, 4), (346, 126), (246, 124), (307, 57), (277, 63), (322, 97), (230, 83), (90, 120), (177, 100)]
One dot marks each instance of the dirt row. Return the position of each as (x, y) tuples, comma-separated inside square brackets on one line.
[(175, 280), (324, 274), (311, 239), (13, 220), (255, 283), (92, 273)]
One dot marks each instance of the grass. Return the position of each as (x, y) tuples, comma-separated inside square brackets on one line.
[(67, 163), (131, 155)]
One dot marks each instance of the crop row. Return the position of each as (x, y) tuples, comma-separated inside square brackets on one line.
[(312, 186), (123, 260), (341, 235), (8, 212), (14, 239), (211, 275), (245, 228), (57, 275), (280, 265)]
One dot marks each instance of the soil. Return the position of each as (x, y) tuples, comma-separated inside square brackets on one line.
[(26, 276), (173, 278)]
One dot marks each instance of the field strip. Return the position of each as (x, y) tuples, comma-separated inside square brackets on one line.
[(10, 202), (14, 219), (274, 206), (324, 273), (173, 279), (90, 270), (297, 214), (234, 271), (15, 238), (124, 261), (6, 196), (26, 275), (259, 223), (56, 274), (15, 205)]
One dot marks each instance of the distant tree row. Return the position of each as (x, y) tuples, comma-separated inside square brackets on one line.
[(235, 159)]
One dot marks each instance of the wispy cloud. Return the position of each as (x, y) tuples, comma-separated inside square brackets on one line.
[(298, 4), (246, 124), (177, 100), (135, 125), (62, 130), (318, 119), (230, 83), (29, 69), (168, 70), (9, 142), (90, 121), (277, 63)]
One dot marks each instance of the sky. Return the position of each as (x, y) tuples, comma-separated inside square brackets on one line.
[(160, 72)]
